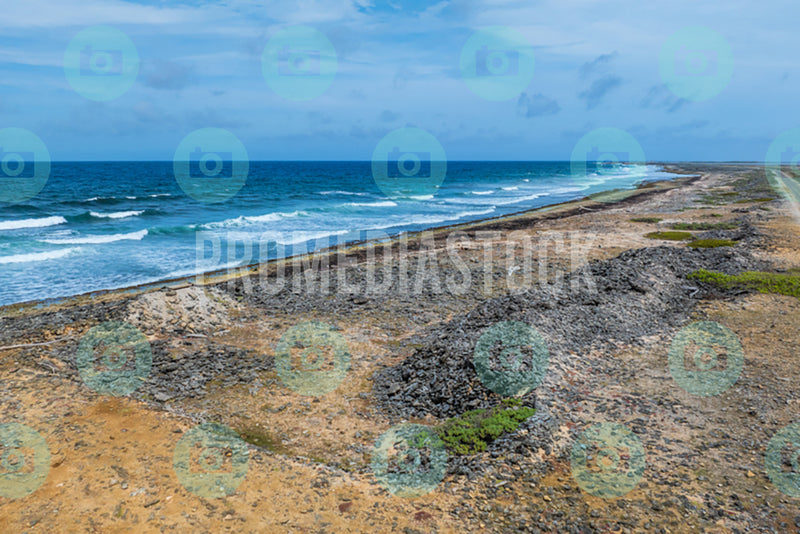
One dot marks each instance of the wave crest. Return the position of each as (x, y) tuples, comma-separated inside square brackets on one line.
[(36, 256), (117, 214), (98, 239), (32, 223)]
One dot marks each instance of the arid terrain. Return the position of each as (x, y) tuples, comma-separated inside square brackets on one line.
[(425, 298)]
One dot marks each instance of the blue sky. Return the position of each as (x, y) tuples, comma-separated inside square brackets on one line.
[(397, 65)]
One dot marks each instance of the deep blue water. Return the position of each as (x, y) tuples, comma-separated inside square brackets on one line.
[(109, 225)]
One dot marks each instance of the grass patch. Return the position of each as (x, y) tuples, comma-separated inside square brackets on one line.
[(261, 437), (711, 243), (711, 199), (472, 431), (779, 283), (669, 236), (748, 200), (704, 226), (651, 220)]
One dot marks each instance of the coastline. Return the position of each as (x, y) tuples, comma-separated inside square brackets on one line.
[(214, 359), (507, 222)]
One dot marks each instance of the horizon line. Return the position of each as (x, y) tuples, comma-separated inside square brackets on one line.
[(653, 162)]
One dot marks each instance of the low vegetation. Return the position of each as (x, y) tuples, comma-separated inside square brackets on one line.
[(763, 282), (472, 431), (711, 243), (704, 226), (748, 200), (651, 220), (261, 437), (669, 236)]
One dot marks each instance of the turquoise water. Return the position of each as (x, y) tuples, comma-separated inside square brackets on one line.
[(110, 225)]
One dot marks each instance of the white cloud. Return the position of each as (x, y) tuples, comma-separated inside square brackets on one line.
[(63, 13)]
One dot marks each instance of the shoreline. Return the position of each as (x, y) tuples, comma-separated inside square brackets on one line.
[(215, 358), (683, 176)]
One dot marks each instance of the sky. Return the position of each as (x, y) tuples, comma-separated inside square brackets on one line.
[(551, 73)]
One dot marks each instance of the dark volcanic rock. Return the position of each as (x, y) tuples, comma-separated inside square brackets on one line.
[(639, 293)]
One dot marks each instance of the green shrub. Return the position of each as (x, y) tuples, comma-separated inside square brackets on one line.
[(704, 226), (651, 220), (711, 243), (669, 236), (780, 283), (472, 431)]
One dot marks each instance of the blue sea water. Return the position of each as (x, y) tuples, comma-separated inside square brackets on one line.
[(109, 225)]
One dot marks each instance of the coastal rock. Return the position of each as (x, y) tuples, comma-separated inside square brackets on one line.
[(606, 303)]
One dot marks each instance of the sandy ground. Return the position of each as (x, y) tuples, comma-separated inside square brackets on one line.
[(111, 466)]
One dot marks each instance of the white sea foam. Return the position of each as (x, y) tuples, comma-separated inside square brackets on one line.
[(380, 204), (432, 219), (245, 220), (520, 199), (343, 193), (32, 223), (116, 215), (36, 256), (294, 238), (98, 239)]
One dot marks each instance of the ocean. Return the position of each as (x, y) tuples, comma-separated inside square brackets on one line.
[(109, 225)]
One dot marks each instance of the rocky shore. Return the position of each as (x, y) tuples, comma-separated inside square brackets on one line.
[(607, 301)]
